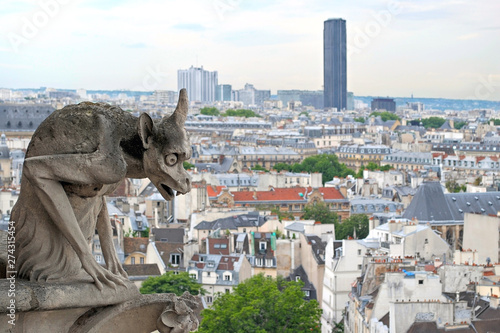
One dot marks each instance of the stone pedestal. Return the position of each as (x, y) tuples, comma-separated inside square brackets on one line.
[(82, 308)]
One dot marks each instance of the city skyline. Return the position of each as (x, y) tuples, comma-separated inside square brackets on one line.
[(395, 48)]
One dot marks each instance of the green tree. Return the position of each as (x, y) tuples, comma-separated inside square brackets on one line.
[(453, 187), (372, 166), (433, 122), (261, 305), (282, 166), (496, 122), (385, 115), (240, 113), (320, 212), (210, 111), (327, 164), (359, 119), (187, 165), (171, 283), (358, 222), (459, 124), (259, 167), (282, 215)]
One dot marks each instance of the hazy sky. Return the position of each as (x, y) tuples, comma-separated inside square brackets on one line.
[(431, 48)]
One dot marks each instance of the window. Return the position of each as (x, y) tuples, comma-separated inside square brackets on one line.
[(209, 299), (262, 245), (223, 246), (175, 258), (297, 278), (193, 276), (359, 252), (259, 262), (141, 260), (420, 281), (228, 291), (269, 262), (98, 258), (216, 246), (132, 260), (227, 277), (307, 293)]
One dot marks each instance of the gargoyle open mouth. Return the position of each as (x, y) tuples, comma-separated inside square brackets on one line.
[(168, 190)]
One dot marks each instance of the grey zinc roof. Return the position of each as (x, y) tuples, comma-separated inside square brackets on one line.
[(23, 117), (480, 203), (251, 219), (446, 125), (318, 248), (405, 190), (172, 235), (430, 204), (296, 226)]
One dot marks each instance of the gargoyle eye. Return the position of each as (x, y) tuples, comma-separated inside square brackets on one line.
[(171, 159)]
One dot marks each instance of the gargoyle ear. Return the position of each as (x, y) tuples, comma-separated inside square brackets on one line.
[(181, 111), (146, 129)]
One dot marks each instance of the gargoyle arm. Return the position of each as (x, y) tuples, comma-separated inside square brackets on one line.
[(45, 173)]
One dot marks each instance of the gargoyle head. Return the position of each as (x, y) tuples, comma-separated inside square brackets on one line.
[(167, 146)]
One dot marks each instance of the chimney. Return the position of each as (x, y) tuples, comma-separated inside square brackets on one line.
[(126, 207), (343, 191), (494, 302)]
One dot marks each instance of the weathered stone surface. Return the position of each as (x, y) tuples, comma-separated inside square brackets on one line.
[(34, 296), (146, 314), (143, 313), (76, 156)]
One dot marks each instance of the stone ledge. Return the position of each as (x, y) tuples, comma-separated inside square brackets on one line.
[(32, 296)]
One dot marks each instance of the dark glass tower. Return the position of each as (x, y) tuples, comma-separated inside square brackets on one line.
[(334, 64)]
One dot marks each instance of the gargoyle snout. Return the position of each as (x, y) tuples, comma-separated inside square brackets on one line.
[(186, 186)]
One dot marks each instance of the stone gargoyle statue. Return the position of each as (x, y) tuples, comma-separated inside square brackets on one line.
[(76, 156)]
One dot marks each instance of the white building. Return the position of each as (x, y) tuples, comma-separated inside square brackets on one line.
[(343, 264), (402, 237), (200, 83)]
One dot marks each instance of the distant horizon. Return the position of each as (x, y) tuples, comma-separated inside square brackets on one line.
[(394, 47), (361, 96)]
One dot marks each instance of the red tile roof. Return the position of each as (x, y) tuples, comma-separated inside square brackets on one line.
[(227, 263), (214, 191), (133, 244), (286, 194)]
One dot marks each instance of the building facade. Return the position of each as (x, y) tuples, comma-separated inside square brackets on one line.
[(335, 64), (223, 92), (386, 104), (200, 84)]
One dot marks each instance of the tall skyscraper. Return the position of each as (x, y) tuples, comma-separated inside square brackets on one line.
[(223, 92), (334, 64), (200, 83)]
